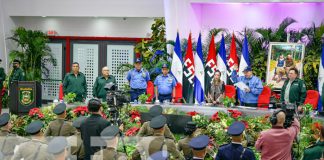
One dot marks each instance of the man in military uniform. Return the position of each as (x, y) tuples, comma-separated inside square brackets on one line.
[(183, 144), (75, 82), (36, 148), (316, 151), (8, 141), (146, 130), (152, 144), (58, 147), (137, 79), (17, 73), (60, 127), (164, 85), (75, 141), (2, 77), (199, 146), (294, 89), (235, 150), (111, 136), (99, 85)]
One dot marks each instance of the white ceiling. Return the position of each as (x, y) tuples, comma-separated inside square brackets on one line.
[(252, 1)]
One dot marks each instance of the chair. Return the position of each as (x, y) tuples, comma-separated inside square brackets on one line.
[(178, 93), (312, 97), (150, 90), (264, 97), (230, 91)]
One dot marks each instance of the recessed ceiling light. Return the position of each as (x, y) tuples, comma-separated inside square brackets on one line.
[(43, 16)]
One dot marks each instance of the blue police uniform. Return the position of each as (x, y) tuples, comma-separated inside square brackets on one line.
[(235, 150), (255, 85), (165, 85), (138, 81)]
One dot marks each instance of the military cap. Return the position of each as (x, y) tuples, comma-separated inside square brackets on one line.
[(16, 61), (199, 143), (34, 127), (236, 128), (59, 109), (109, 132), (155, 110), (160, 155), (165, 65), (138, 60), (158, 122), (57, 145), (4, 119), (77, 123)]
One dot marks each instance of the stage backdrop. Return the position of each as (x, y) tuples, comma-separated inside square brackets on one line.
[(282, 57)]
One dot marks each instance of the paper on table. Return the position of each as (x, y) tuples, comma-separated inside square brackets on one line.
[(242, 86)]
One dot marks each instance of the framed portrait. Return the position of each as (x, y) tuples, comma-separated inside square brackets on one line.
[(282, 57)]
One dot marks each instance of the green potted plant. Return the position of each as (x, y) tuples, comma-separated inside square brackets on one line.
[(69, 98), (143, 97), (228, 102), (33, 52)]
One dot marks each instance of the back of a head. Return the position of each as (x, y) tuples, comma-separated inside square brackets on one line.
[(281, 117), (94, 105)]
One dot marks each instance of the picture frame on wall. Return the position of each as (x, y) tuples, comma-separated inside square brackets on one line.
[(281, 57)]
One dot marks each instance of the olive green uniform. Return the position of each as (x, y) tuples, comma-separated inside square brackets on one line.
[(8, 142), (109, 154), (314, 152), (183, 145), (99, 86), (297, 92), (60, 127), (17, 75), (2, 77), (31, 150), (146, 130), (75, 84), (76, 143), (152, 144)]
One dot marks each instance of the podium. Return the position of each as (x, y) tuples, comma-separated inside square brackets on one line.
[(23, 96)]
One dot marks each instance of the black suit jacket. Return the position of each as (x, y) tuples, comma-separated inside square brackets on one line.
[(90, 134)]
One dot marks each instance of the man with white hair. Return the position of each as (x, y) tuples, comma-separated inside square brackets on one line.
[(99, 85)]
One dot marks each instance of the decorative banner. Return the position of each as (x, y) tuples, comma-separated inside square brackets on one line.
[(210, 66), (188, 74)]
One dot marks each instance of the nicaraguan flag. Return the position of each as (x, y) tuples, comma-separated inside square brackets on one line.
[(176, 66), (199, 73), (321, 80), (245, 59), (221, 60)]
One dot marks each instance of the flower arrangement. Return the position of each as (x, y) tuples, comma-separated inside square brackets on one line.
[(80, 111), (70, 97), (36, 113)]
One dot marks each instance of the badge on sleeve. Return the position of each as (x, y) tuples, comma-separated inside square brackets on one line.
[(143, 74)]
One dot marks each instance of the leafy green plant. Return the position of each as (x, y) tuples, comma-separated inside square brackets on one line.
[(33, 52), (308, 108), (227, 102), (143, 97), (69, 98)]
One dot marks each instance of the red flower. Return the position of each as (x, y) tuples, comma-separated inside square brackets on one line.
[(215, 117), (132, 131), (246, 124), (317, 125), (193, 113), (103, 115), (134, 114), (266, 116), (235, 113), (36, 112), (80, 110)]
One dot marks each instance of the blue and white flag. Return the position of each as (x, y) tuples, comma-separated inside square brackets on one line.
[(199, 73), (245, 59), (176, 66), (321, 80), (221, 60)]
